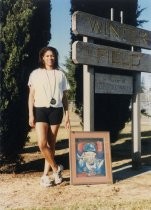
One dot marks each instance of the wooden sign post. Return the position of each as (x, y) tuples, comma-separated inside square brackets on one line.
[(87, 53), (88, 98), (136, 130)]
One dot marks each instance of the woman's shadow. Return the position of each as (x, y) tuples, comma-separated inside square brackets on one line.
[(36, 164), (119, 152)]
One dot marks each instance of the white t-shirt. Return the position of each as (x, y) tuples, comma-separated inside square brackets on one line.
[(48, 84)]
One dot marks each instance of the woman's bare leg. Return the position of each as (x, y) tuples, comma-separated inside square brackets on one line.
[(52, 134), (48, 153)]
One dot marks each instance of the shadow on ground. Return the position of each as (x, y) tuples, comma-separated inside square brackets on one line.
[(123, 151), (38, 164), (120, 151), (126, 171)]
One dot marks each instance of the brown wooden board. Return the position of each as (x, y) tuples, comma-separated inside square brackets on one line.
[(100, 55), (97, 27)]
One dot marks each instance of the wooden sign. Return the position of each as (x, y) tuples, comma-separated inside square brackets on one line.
[(113, 84), (100, 55), (86, 53), (97, 27)]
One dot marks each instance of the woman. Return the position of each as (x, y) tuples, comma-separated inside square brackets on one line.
[(47, 99)]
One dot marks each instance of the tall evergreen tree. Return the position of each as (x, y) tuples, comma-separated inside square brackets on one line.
[(71, 78), (20, 42)]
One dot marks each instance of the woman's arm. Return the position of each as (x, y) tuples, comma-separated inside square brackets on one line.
[(65, 106), (31, 106)]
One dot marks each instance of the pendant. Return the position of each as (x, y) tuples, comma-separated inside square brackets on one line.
[(53, 101)]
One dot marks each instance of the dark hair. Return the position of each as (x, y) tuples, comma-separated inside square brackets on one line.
[(43, 51)]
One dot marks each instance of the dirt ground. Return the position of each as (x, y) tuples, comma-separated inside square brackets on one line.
[(131, 189)]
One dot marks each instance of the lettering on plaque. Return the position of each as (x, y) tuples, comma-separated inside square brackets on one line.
[(114, 30), (113, 84), (96, 26)]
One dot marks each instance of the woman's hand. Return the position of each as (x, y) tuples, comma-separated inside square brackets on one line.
[(31, 106), (67, 122), (65, 105), (32, 121)]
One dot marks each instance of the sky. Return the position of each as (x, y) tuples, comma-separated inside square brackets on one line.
[(61, 24), (146, 15), (60, 28)]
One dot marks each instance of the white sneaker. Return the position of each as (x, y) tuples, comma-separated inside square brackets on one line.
[(45, 181), (58, 175)]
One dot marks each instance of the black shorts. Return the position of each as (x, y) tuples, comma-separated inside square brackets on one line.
[(50, 115)]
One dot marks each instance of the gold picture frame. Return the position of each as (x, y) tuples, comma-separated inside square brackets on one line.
[(90, 157)]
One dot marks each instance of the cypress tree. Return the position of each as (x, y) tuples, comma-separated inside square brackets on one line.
[(18, 51)]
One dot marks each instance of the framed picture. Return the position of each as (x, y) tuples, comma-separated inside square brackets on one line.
[(90, 158)]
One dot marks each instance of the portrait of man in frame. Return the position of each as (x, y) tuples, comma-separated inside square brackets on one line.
[(90, 157)]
